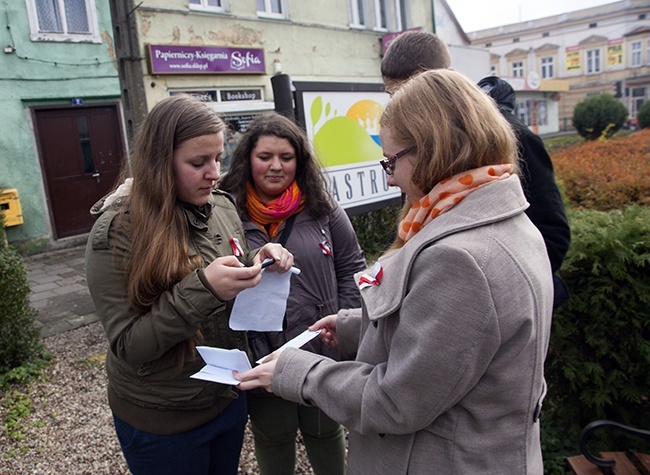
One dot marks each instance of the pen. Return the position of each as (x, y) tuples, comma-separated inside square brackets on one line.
[(267, 262)]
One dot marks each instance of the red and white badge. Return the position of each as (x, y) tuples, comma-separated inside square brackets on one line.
[(236, 247), (325, 247), (374, 278)]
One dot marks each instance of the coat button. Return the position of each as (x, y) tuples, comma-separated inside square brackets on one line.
[(218, 239), (375, 323)]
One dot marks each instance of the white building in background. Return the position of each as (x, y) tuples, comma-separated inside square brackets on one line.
[(603, 49)]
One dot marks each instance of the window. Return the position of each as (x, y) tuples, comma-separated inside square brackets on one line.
[(272, 8), (401, 15), (532, 112), (381, 20), (593, 61), (515, 40), (593, 25), (547, 67), (63, 20), (546, 34), (209, 5), (518, 69), (638, 96), (635, 51), (357, 13)]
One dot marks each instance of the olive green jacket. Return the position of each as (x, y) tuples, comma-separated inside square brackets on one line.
[(143, 378)]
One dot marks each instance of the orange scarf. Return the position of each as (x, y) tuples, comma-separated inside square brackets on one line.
[(269, 216), (448, 193)]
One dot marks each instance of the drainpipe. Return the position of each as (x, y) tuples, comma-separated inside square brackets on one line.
[(433, 16)]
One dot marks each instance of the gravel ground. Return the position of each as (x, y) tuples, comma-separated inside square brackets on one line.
[(70, 429)]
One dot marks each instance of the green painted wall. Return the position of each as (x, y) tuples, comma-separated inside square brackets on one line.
[(39, 73)]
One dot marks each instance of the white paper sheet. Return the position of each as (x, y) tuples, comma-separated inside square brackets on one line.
[(220, 364), (261, 308), (295, 342)]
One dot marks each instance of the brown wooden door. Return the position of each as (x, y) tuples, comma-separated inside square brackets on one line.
[(81, 151)]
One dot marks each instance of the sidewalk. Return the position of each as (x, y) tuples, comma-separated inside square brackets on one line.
[(59, 292)]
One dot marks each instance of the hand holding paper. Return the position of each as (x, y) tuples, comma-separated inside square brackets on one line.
[(220, 363), (261, 308)]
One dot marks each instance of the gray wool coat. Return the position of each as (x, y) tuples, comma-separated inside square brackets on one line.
[(450, 348)]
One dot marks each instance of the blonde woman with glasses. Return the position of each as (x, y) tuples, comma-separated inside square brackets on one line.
[(452, 333)]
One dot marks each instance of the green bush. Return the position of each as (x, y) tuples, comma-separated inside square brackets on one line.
[(599, 352), (375, 230), (643, 115), (19, 337), (599, 116)]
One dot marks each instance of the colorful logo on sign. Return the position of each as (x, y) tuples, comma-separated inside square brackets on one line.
[(351, 138)]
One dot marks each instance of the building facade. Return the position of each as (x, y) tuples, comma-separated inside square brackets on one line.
[(79, 75), (603, 49), (62, 140)]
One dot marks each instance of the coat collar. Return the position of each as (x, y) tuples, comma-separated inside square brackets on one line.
[(499, 201)]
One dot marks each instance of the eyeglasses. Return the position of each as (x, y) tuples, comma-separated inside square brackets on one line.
[(389, 163)]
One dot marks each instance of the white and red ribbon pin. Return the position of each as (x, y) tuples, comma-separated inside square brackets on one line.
[(325, 247), (236, 247), (374, 278)]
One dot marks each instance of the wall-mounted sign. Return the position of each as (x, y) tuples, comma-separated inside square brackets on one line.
[(615, 52), (342, 123), (203, 96), (175, 59), (387, 39), (229, 95), (573, 58)]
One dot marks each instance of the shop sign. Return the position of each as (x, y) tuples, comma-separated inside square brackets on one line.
[(175, 59), (229, 95)]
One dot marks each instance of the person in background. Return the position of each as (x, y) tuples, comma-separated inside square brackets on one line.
[(164, 260), (417, 51), (281, 196), (452, 334)]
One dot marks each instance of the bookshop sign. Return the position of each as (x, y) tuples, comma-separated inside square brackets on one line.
[(175, 59)]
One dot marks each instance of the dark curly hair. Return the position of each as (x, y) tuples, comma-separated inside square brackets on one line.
[(309, 177)]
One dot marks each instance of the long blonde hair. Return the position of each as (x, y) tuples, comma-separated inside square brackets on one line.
[(454, 125)]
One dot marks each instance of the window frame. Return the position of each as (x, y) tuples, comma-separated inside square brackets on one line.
[(638, 53), (268, 13), (401, 7), (358, 20), (517, 65), (377, 15), (593, 56), (203, 6), (35, 34), (547, 66)]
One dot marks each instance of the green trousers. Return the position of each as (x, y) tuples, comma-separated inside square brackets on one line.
[(275, 424)]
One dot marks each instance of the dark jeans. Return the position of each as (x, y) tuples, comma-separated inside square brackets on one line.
[(211, 449)]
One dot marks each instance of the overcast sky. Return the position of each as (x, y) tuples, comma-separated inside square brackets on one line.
[(479, 14)]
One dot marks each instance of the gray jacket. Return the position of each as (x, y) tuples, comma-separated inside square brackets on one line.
[(326, 282), (448, 376)]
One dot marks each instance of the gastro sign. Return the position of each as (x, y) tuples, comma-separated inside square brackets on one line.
[(175, 59)]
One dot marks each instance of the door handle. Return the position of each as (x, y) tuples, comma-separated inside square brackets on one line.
[(96, 176)]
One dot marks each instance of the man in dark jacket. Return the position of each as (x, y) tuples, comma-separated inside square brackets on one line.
[(546, 209), (417, 51)]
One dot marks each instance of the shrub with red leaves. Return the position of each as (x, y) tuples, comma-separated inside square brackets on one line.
[(606, 175)]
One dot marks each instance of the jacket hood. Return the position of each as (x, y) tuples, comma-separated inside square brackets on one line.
[(102, 205), (499, 90)]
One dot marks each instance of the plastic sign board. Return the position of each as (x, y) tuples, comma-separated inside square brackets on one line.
[(343, 127), (178, 59)]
